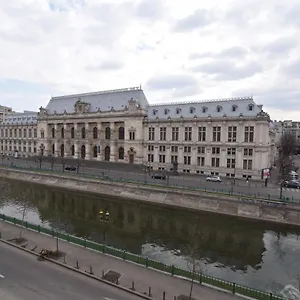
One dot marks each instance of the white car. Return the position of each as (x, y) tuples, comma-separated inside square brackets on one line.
[(214, 178)]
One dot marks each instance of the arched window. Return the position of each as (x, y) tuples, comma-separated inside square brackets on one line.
[(95, 151), (95, 133), (62, 150), (83, 132), (107, 153), (62, 133), (107, 133), (83, 151), (73, 150), (53, 149), (72, 133), (121, 153), (121, 133), (53, 133)]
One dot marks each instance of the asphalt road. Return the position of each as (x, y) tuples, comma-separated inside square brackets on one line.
[(23, 277), (238, 186)]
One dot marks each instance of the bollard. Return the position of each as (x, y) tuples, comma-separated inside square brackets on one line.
[(77, 265), (132, 286), (91, 270), (147, 262), (149, 292), (103, 273), (173, 270), (117, 281), (233, 288), (124, 254), (164, 295), (64, 259)]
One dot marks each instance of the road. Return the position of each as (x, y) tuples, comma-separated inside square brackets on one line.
[(23, 277), (193, 181)]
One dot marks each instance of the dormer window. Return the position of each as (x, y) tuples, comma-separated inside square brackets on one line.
[(166, 111), (250, 107), (154, 112), (192, 110), (234, 107), (204, 109), (178, 110), (219, 108)]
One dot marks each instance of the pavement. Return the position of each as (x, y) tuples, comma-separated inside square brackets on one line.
[(136, 173), (25, 276)]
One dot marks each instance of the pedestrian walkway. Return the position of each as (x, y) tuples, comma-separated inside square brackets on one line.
[(142, 277)]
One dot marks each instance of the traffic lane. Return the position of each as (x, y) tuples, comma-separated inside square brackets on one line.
[(24, 277)]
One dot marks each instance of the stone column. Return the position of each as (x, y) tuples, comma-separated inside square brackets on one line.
[(76, 135), (99, 126), (65, 141), (112, 142)]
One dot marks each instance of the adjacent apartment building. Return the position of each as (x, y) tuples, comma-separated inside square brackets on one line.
[(227, 137)]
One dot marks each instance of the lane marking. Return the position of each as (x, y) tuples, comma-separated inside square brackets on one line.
[(1, 276)]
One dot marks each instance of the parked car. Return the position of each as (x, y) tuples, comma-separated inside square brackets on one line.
[(294, 184), (159, 176), (70, 168), (214, 179)]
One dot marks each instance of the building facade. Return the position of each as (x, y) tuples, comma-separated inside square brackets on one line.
[(18, 134)]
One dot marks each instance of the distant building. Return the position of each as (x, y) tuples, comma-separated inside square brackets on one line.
[(4, 111), (18, 133)]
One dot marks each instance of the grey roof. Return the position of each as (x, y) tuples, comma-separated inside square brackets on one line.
[(21, 118), (231, 107), (103, 101)]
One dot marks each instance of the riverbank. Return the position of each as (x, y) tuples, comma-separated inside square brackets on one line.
[(233, 205)]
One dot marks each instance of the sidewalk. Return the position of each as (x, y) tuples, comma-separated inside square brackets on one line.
[(143, 278)]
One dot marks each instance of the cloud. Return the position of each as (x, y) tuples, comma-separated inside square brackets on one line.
[(232, 52), (149, 9), (107, 66)]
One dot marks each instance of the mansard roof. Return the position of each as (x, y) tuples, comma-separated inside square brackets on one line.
[(98, 101), (229, 107), (21, 118)]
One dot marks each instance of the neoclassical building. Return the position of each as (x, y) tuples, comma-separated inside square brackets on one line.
[(227, 137), (18, 133)]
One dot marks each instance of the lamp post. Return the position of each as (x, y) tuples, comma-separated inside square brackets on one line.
[(104, 218), (42, 148)]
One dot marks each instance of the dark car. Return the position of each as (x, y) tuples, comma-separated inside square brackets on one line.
[(159, 176), (294, 184), (70, 168)]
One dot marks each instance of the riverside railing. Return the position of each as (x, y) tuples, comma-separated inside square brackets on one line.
[(224, 191), (228, 286)]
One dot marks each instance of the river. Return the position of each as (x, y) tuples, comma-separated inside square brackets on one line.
[(256, 254)]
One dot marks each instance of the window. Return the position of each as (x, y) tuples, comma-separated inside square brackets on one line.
[(150, 157), (15, 133), (107, 133), (192, 110), (204, 109), (234, 107), (230, 163), (72, 133), (10, 132), (187, 160), (83, 132), (163, 133), (132, 135), (62, 133), (53, 148), (121, 153), (25, 133), (215, 150), (202, 134), (200, 161), (187, 149), (35, 132), (121, 133), (20, 132), (73, 150), (166, 111), (162, 148), (250, 107), (188, 133), (215, 162), (150, 148), (248, 152), (151, 134), (174, 159), (232, 133), (178, 110), (219, 108), (6, 132), (95, 151), (249, 134), (216, 134), (175, 133), (162, 158), (174, 149), (231, 151), (201, 150), (53, 133), (247, 164), (95, 133)]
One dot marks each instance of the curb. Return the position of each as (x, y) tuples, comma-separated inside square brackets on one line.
[(79, 271)]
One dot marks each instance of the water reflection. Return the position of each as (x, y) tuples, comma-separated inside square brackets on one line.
[(247, 252)]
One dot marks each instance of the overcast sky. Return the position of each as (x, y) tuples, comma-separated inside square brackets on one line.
[(178, 50)]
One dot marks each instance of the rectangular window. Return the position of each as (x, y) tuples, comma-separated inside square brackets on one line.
[(15, 133), (232, 130), (215, 162), (216, 133), (174, 149), (174, 159), (162, 148), (231, 151), (202, 134), (201, 150), (247, 164), (131, 135), (25, 133), (249, 134), (10, 132), (215, 150), (187, 160), (20, 132), (187, 149), (230, 163), (200, 161), (150, 148), (248, 152), (35, 133), (29, 133), (151, 134), (162, 158), (150, 157), (188, 133), (163, 133), (175, 133)]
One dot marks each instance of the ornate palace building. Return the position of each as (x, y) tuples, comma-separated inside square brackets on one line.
[(227, 137)]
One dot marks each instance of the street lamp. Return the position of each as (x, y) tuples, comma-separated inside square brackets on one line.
[(42, 148), (104, 218)]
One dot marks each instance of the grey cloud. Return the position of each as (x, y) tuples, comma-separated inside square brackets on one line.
[(281, 45), (166, 82), (292, 69), (106, 66), (199, 19), (149, 9), (227, 70), (233, 52)]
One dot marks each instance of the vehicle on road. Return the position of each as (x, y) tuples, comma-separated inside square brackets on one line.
[(294, 184), (159, 176), (70, 168), (214, 179)]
